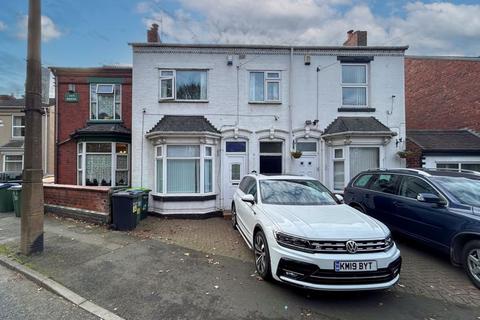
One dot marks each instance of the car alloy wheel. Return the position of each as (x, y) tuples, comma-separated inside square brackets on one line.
[(473, 262), (262, 256), (471, 258), (234, 217)]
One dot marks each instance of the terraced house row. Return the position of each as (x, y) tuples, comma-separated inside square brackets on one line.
[(188, 121)]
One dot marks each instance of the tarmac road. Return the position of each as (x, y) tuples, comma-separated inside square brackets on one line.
[(22, 299)]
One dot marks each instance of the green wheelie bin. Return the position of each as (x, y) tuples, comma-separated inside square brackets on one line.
[(6, 202), (17, 199)]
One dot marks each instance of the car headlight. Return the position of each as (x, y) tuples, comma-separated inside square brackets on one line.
[(292, 242), (389, 242)]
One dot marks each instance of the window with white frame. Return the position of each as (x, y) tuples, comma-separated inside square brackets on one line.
[(184, 169), (265, 86), (103, 164), (105, 101), (363, 158), (190, 85), (18, 126), (474, 166), (306, 146), (13, 163), (354, 85), (338, 169)]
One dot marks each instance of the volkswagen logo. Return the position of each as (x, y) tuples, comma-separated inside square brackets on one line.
[(351, 246)]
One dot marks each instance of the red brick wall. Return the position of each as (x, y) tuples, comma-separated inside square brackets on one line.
[(415, 160), (73, 116), (442, 94), (86, 198)]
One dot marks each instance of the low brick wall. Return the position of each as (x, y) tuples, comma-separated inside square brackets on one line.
[(87, 203)]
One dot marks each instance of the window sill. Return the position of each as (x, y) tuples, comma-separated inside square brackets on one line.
[(265, 102), (103, 121), (183, 198), (182, 101), (356, 109)]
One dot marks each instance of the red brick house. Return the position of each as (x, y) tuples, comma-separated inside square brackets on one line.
[(442, 101), (93, 121)]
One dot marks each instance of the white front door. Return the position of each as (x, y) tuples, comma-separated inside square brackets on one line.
[(233, 171), (306, 165)]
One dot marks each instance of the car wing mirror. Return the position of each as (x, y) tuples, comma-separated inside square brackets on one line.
[(430, 198), (339, 197), (248, 198)]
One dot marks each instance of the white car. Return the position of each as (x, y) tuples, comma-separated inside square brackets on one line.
[(302, 235)]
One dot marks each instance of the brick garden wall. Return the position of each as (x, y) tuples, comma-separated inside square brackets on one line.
[(442, 93), (90, 203)]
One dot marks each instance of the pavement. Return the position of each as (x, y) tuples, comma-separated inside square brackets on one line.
[(201, 269), (22, 299)]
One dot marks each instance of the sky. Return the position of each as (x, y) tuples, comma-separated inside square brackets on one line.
[(97, 32)]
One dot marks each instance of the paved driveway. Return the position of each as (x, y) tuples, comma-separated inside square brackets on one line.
[(424, 272)]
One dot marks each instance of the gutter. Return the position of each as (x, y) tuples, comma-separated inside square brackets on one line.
[(360, 133)]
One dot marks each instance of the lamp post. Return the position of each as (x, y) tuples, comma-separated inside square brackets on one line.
[(32, 187)]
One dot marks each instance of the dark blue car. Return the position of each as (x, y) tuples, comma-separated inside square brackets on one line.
[(440, 208)]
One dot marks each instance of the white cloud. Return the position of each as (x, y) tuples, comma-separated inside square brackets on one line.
[(3, 26), (433, 28), (49, 29)]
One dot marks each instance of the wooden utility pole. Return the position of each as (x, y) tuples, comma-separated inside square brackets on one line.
[(32, 187)]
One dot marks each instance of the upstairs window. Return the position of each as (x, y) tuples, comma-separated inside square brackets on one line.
[(181, 85), (354, 85), (18, 126), (105, 101), (265, 86)]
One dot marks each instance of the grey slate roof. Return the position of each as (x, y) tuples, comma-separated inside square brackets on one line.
[(184, 124), (19, 143), (445, 140), (355, 124), (111, 129), (14, 102)]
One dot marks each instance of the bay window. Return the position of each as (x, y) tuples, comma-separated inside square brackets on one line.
[(105, 101), (338, 169), (183, 85), (264, 86), (354, 85), (184, 169), (363, 158), (103, 164)]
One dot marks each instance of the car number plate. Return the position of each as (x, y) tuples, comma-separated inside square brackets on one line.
[(355, 266)]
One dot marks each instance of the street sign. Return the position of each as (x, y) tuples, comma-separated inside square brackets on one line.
[(71, 97)]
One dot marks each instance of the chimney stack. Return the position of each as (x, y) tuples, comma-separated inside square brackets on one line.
[(356, 39), (152, 34)]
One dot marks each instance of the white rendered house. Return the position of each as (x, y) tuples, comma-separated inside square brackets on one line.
[(203, 116)]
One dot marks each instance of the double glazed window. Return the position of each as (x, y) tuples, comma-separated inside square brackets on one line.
[(12, 163), (338, 169), (183, 85), (184, 169), (18, 126), (103, 164), (105, 101), (264, 86), (475, 166), (354, 85)]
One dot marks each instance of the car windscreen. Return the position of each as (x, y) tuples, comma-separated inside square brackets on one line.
[(465, 190), (295, 192)]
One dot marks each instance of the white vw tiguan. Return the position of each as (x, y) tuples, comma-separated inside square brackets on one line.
[(302, 235)]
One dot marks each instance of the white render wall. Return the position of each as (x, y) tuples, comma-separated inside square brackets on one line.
[(386, 78)]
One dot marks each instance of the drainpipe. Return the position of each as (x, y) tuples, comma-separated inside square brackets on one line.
[(290, 105), (45, 143), (141, 152), (55, 161)]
